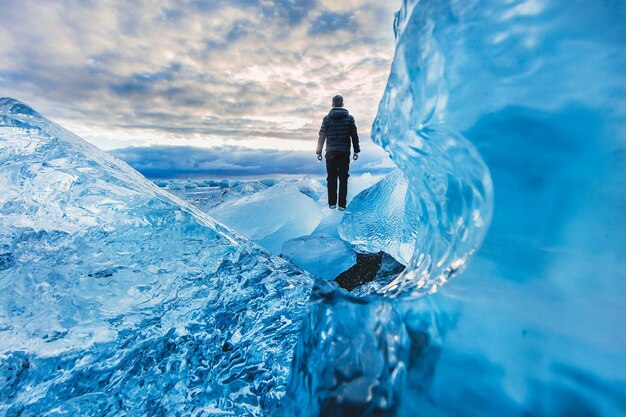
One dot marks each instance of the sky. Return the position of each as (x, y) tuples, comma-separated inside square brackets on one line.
[(225, 82)]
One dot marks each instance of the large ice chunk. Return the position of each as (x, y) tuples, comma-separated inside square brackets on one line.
[(321, 255), (382, 218), (115, 295), (315, 188), (434, 213), (352, 357), (329, 223), (358, 183), (272, 216), (538, 88)]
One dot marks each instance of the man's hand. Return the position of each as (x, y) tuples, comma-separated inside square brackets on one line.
[(355, 156), (319, 156)]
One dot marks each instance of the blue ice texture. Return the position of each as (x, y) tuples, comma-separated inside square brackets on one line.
[(507, 121), (285, 210), (322, 255), (272, 216), (118, 298)]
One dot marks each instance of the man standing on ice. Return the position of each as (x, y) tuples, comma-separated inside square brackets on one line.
[(337, 129)]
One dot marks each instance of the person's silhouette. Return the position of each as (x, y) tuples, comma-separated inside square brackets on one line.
[(338, 131)]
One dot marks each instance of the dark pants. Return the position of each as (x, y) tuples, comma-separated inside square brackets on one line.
[(337, 165)]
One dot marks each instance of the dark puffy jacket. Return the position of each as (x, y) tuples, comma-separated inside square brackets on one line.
[(337, 129)]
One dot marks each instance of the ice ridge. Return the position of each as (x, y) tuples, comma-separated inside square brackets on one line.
[(118, 298)]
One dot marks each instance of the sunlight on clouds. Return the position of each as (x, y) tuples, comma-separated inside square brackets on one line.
[(286, 122), (349, 5), (257, 74)]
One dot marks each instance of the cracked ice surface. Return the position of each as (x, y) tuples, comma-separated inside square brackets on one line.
[(116, 297)]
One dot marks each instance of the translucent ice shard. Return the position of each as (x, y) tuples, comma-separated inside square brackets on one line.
[(351, 358), (382, 218), (117, 297), (538, 87), (272, 216), (321, 255), (434, 212)]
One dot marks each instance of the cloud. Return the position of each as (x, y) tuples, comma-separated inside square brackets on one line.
[(162, 162), (333, 22), (175, 72)]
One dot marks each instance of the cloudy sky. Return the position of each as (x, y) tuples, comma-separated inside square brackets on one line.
[(210, 78)]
